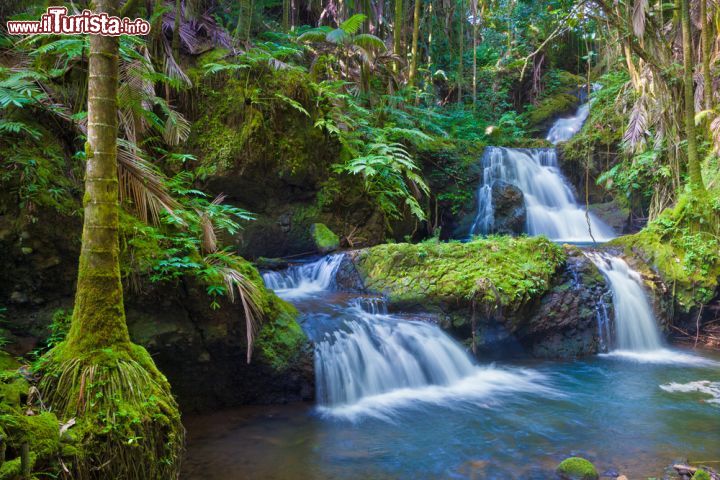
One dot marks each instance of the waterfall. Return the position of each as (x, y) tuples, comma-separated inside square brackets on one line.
[(549, 201), (305, 279), (566, 128), (376, 353), (371, 364), (635, 325)]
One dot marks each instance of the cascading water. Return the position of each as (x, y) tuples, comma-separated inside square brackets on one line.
[(635, 325), (368, 362), (551, 207), (566, 128), (301, 280), (637, 335), (549, 200)]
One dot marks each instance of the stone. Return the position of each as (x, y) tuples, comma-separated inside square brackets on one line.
[(509, 208), (577, 468), (324, 239)]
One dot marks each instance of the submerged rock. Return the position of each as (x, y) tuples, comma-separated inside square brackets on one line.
[(577, 468)]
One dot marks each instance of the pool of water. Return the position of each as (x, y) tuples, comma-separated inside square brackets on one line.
[(628, 413), (398, 399)]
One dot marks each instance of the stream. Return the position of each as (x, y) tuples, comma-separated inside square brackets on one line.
[(398, 398)]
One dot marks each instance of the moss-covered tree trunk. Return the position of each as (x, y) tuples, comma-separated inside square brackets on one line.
[(696, 182), (461, 53), (97, 375), (99, 314)]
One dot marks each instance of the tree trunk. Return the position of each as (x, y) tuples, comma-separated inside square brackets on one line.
[(706, 52), (176, 31), (242, 31), (475, 41), (696, 182), (286, 15), (99, 314), (397, 31), (461, 54), (415, 35)]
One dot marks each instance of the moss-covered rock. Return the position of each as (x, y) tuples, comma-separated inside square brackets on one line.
[(324, 238), (506, 272), (576, 468), (682, 247), (550, 108), (498, 294), (701, 474)]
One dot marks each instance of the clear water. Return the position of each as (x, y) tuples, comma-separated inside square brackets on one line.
[(440, 414)]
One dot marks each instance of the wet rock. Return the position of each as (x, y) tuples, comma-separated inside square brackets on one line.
[(347, 277), (509, 208)]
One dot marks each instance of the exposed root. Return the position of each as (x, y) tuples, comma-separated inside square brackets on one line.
[(128, 425)]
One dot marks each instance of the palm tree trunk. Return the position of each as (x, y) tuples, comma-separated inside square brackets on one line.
[(415, 35), (99, 315), (176, 31), (696, 182)]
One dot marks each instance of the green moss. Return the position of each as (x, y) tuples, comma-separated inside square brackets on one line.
[(281, 339), (324, 238), (576, 468), (12, 389), (501, 271), (549, 108), (7, 362), (701, 475), (248, 125), (128, 425)]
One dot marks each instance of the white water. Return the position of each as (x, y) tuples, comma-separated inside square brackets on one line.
[(566, 128), (550, 203), (378, 363), (635, 325), (369, 363), (637, 335), (303, 280)]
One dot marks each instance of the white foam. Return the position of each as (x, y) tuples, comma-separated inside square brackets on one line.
[(702, 386), (664, 356), (475, 389)]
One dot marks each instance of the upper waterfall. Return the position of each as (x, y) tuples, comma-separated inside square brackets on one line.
[(551, 207), (550, 203)]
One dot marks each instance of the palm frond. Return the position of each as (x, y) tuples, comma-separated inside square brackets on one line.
[(353, 24), (143, 185)]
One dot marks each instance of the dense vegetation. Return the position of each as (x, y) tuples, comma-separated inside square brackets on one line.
[(261, 128)]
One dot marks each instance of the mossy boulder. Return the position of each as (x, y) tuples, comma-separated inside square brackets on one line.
[(701, 474), (498, 294), (202, 350), (324, 238), (577, 468), (539, 116), (503, 271)]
